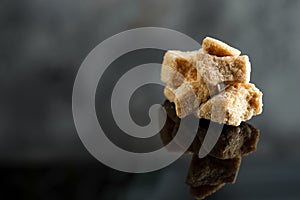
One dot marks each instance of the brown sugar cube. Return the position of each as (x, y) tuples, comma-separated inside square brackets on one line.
[(212, 171), (204, 191), (178, 67), (236, 103), (187, 99), (169, 93), (189, 96), (215, 70), (218, 48)]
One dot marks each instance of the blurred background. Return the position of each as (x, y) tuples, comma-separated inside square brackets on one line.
[(43, 43)]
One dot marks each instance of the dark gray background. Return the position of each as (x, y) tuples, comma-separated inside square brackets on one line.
[(42, 44)]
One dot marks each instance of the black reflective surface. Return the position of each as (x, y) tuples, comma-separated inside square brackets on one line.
[(208, 174)]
